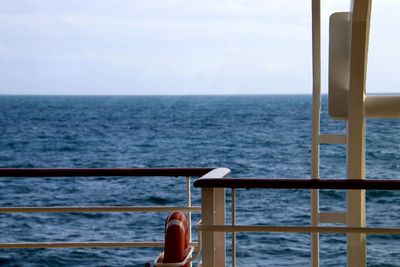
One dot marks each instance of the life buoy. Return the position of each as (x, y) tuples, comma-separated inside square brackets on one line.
[(176, 241)]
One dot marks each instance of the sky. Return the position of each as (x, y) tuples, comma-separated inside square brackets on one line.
[(177, 46)]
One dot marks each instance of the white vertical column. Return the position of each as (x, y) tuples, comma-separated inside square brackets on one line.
[(213, 213), (356, 243), (220, 217), (189, 205), (316, 109), (233, 224), (207, 218)]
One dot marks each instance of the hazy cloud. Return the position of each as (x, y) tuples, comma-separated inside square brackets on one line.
[(156, 47)]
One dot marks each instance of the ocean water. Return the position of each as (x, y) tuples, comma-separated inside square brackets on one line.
[(254, 136)]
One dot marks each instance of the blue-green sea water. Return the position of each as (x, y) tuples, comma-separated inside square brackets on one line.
[(254, 136)]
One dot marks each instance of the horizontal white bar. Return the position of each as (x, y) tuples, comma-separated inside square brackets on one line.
[(98, 209), (377, 106), (332, 139), (84, 245), (298, 229), (332, 217)]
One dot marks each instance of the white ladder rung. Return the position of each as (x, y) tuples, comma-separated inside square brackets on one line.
[(332, 139), (332, 217)]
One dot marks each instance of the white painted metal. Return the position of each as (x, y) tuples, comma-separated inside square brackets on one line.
[(218, 198), (213, 213), (98, 209), (186, 262), (207, 218), (339, 63), (332, 139), (356, 243), (83, 245), (382, 106), (217, 173), (233, 223), (219, 218), (316, 109), (376, 106), (332, 217), (189, 205)]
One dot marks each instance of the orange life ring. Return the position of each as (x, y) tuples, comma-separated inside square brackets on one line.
[(176, 238)]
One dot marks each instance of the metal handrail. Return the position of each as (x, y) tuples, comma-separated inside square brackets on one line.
[(93, 244), (81, 209), (211, 189), (81, 245), (101, 172), (87, 172), (299, 229), (297, 183)]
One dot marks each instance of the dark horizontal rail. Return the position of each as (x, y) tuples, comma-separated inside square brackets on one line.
[(85, 172), (297, 183)]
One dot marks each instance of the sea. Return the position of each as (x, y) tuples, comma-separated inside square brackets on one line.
[(260, 136)]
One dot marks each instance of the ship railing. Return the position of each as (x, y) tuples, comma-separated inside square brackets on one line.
[(102, 172), (213, 226)]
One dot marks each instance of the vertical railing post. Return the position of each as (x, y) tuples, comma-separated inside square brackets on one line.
[(189, 213), (233, 224), (356, 243), (316, 110), (213, 213), (189, 205), (220, 216)]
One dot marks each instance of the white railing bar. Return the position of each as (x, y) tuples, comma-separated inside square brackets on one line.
[(332, 139), (332, 217), (382, 106), (298, 229), (98, 209), (83, 245), (189, 204), (233, 223)]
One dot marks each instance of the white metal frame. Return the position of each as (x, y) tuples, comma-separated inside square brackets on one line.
[(355, 138), (316, 117), (358, 108), (188, 208), (210, 227)]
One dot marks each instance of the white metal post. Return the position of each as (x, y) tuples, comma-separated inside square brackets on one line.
[(233, 224), (220, 216), (189, 213), (316, 109), (189, 205), (207, 218), (213, 212), (356, 243)]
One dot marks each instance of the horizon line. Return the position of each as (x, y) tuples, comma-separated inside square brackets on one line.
[(266, 94)]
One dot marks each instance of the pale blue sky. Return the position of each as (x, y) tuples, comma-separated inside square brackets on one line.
[(175, 46)]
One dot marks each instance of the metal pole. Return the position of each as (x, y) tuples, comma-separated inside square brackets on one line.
[(356, 243), (316, 110), (189, 205), (233, 224)]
